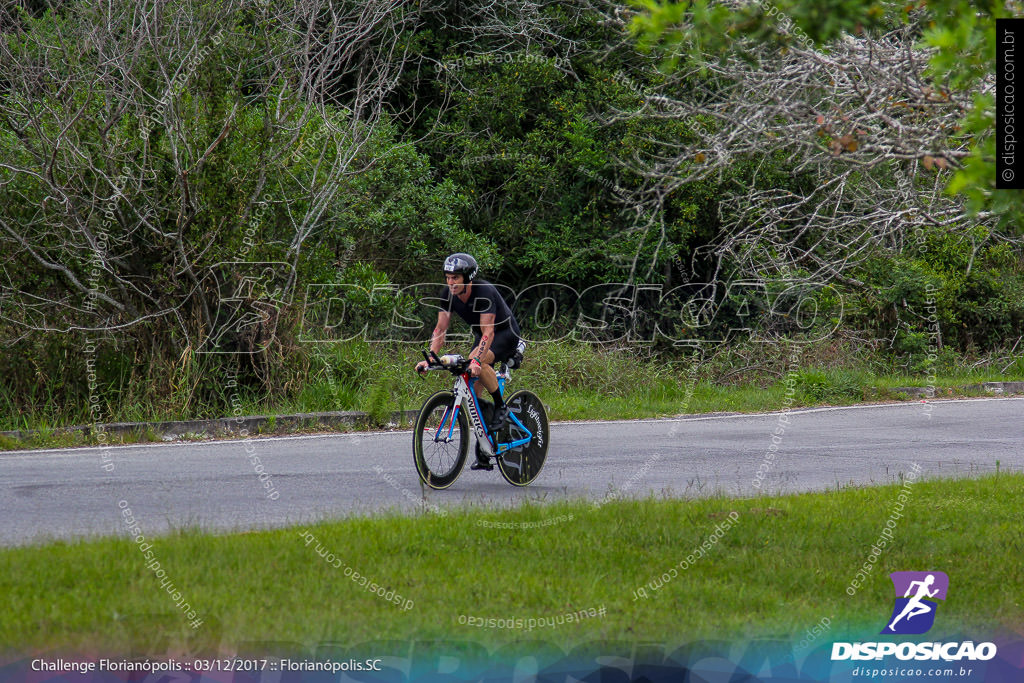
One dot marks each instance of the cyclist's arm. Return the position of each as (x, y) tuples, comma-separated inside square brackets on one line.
[(437, 339), (487, 336)]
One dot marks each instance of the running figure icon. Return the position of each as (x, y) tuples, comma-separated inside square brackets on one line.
[(915, 606)]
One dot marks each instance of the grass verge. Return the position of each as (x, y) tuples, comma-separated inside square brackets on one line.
[(577, 382), (783, 566)]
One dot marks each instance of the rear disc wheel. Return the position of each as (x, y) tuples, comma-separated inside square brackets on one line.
[(521, 465)]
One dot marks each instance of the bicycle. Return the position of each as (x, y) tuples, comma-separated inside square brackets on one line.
[(442, 432)]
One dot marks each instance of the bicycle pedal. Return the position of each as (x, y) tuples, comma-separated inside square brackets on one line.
[(481, 465)]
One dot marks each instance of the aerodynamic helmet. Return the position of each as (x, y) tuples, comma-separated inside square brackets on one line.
[(461, 263)]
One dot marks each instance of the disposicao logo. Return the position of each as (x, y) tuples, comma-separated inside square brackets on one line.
[(916, 595)]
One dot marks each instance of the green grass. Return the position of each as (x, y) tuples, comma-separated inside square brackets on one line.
[(663, 400), (784, 565), (576, 381)]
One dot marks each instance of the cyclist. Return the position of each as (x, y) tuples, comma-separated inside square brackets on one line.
[(496, 332)]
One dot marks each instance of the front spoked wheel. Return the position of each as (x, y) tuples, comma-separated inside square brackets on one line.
[(521, 464), (440, 441)]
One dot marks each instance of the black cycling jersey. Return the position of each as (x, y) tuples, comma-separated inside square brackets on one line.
[(483, 298)]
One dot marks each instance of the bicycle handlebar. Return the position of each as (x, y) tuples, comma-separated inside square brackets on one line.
[(454, 364)]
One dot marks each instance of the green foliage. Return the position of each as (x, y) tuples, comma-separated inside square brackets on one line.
[(498, 148), (377, 402), (517, 131), (181, 187), (821, 386), (960, 32), (700, 30), (944, 290)]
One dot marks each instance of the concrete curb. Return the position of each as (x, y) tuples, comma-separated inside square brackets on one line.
[(255, 424), (931, 392), (229, 426)]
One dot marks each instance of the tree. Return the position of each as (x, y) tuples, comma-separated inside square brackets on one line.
[(936, 56), (149, 149), (882, 113)]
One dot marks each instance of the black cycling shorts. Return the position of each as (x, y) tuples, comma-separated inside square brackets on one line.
[(503, 346)]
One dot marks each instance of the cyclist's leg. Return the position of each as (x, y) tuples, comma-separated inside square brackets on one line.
[(489, 380), (501, 350), (488, 377), (504, 345)]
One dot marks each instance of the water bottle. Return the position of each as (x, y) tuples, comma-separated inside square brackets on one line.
[(449, 360)]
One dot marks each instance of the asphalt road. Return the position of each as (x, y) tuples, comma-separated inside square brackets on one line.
[(71, 493)]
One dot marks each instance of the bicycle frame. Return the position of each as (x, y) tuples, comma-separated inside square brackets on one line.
[(465, 399)]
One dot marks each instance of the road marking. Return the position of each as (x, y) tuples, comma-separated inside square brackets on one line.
[(82, 450), (794, 411)]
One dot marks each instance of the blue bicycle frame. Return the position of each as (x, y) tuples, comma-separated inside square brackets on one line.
[(465, 394)]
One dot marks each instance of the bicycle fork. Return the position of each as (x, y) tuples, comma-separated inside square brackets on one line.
[(452, 410)]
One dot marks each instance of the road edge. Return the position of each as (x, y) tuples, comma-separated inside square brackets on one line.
[(350, 420)]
